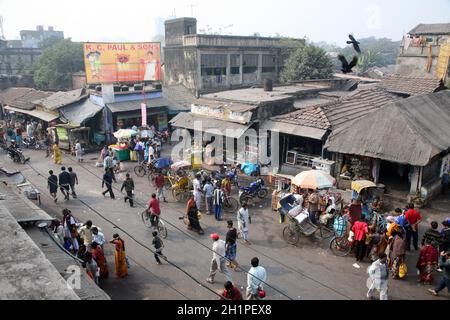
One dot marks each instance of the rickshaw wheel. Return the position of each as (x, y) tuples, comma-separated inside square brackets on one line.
[(139, 171), (340, 247), (290, 236)]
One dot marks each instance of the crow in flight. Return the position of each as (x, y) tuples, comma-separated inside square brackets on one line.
[(354, 43), (347, 67)]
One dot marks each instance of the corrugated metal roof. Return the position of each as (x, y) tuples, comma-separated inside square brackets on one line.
[(186, 120), (409, 85), (433, 28), (40, 114), (409, 131), (61, 99), (78, 113), (22, 98), (136, 105), (293, 129)]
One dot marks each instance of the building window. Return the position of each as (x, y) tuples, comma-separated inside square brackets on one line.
[(235, 63), (250, 63), (213, 64), (268, 63)]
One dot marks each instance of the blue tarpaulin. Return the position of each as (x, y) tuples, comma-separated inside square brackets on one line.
[(162, 163), (249, 168)]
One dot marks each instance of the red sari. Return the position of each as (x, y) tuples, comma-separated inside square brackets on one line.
[(99, 257), (428, 258)]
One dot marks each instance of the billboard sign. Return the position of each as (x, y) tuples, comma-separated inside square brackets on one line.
[(122, 62)]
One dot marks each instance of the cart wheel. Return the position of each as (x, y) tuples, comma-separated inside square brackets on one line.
[(340, 247), (178, 195), (139, 171), (290, 236)]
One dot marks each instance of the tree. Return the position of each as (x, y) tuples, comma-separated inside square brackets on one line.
[(369, 59), (307, 63), (53, 69), (384, 51)]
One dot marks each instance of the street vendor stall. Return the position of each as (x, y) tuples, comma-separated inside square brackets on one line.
[(121, 151), (365, 196)]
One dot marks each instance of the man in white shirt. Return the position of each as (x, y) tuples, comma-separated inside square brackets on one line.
[(256, 277), (218, 260), (151, 153), (98, 236), (243, 219), (197, 191)]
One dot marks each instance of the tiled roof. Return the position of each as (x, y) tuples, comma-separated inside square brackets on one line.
[(340, 112), (22, 98), (61, 99), (434, 28), (310, 117), (409, 85)]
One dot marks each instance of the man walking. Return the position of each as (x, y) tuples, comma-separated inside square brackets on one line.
[(208, 190), (243, 219), (73, 180), (64, 182), (218, 201), (108, 179), (128, 185), (79, 151), (414, 218), (159, 183), (256, 277), (378, 277), (108, 162), (218, 261), (444, 264), (53, 185)]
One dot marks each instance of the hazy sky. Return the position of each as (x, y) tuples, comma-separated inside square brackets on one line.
[(319, 20)]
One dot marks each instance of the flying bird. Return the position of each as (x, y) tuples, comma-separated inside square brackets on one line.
[(354, 43), (347, 67)]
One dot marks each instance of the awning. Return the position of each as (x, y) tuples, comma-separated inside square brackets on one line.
[(292, 129), (78, 113), (228, 129), (43, 115), (136, 105)]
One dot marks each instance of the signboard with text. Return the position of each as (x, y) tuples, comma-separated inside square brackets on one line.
[(122, 62)]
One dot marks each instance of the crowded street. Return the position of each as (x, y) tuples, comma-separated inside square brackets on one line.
[(306, 271)]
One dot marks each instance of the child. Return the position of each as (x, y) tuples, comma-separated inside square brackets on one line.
[(158, 244)]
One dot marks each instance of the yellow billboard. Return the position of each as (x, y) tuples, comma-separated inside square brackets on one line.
[(122, 62)]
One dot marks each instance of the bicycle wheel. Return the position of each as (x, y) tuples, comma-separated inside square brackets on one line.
[(340, 247), (290, 236), (146, 219), (230, 205), (162, 229), (247, 199), (139, 171)]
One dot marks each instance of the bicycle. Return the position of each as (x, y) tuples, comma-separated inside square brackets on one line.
[(230, 204), (341, 246), (141, 169), (160, 225)]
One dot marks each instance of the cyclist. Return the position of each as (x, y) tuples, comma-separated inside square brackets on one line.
[(154, 210)]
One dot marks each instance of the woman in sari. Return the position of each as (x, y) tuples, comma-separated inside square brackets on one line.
[(428, 259), (56, 153), (192, 215), (397, 253), (99, 257), (120, 256)]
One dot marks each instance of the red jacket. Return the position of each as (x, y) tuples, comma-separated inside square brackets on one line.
[(360, 230), (235, 295)]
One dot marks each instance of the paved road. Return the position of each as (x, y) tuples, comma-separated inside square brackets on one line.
[(306, 271)]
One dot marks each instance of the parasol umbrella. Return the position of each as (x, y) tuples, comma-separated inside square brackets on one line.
[(314, 179), (124, 133)]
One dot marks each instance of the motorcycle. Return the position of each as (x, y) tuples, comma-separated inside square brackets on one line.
[(255, 189), (16, 155), (31, 143)]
